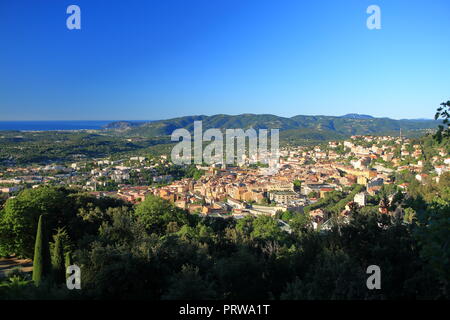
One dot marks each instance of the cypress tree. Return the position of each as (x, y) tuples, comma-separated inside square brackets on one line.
[(68, 261), (41, 261), (58, 260)]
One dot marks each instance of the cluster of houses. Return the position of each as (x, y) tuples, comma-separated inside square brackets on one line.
[(236, 191), (369, 161)]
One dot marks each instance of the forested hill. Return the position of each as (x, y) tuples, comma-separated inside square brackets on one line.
[(350, 124)]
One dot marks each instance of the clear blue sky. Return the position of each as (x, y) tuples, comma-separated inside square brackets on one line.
[(156, 59)]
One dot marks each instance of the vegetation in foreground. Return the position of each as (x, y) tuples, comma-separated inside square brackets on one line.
[(157, 251)]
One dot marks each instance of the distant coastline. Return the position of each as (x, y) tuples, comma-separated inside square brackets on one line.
[(245, 120), (64, 125)]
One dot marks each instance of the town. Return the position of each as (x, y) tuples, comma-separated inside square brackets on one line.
[(360, 167)]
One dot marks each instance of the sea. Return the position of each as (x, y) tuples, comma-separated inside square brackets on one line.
[(54, 125)]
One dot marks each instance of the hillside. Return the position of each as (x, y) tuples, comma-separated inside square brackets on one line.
[(351, 124)]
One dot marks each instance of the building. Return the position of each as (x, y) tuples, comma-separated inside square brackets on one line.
[(360, 199), (283, 197)]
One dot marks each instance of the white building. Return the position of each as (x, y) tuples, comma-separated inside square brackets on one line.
[(360, 199)]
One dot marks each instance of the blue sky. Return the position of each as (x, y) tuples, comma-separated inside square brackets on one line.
[(146, 60)]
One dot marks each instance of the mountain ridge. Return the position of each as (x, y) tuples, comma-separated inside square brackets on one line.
[(357, 116), (349, 124)]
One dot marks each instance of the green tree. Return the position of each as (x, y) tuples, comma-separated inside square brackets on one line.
[(58, 268), (156, 213), (266, 228), (443, 112), (410, 215), (62, 208), (433, 235), (300, 222), (188, 284), (294, 291), (18, 220), (313, 194), (67, 261), (41, 261), (240, 276), (245, 226), (297, 185)]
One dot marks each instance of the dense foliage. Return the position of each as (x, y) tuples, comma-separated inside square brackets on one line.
[(157, 251), (80, 213), (18, 148)]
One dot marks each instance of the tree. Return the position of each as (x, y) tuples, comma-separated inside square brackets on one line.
[(67, 260), (240, 276), (189, 285), (58, 262), (410, 215), (313, 194), (297, 185), (245, 226), (300, 223), (18, 220), (156, 213), (294, 290), (266, 228), (41, 261), (334, 275), (443, 112), (433, 235), (61, 207)]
